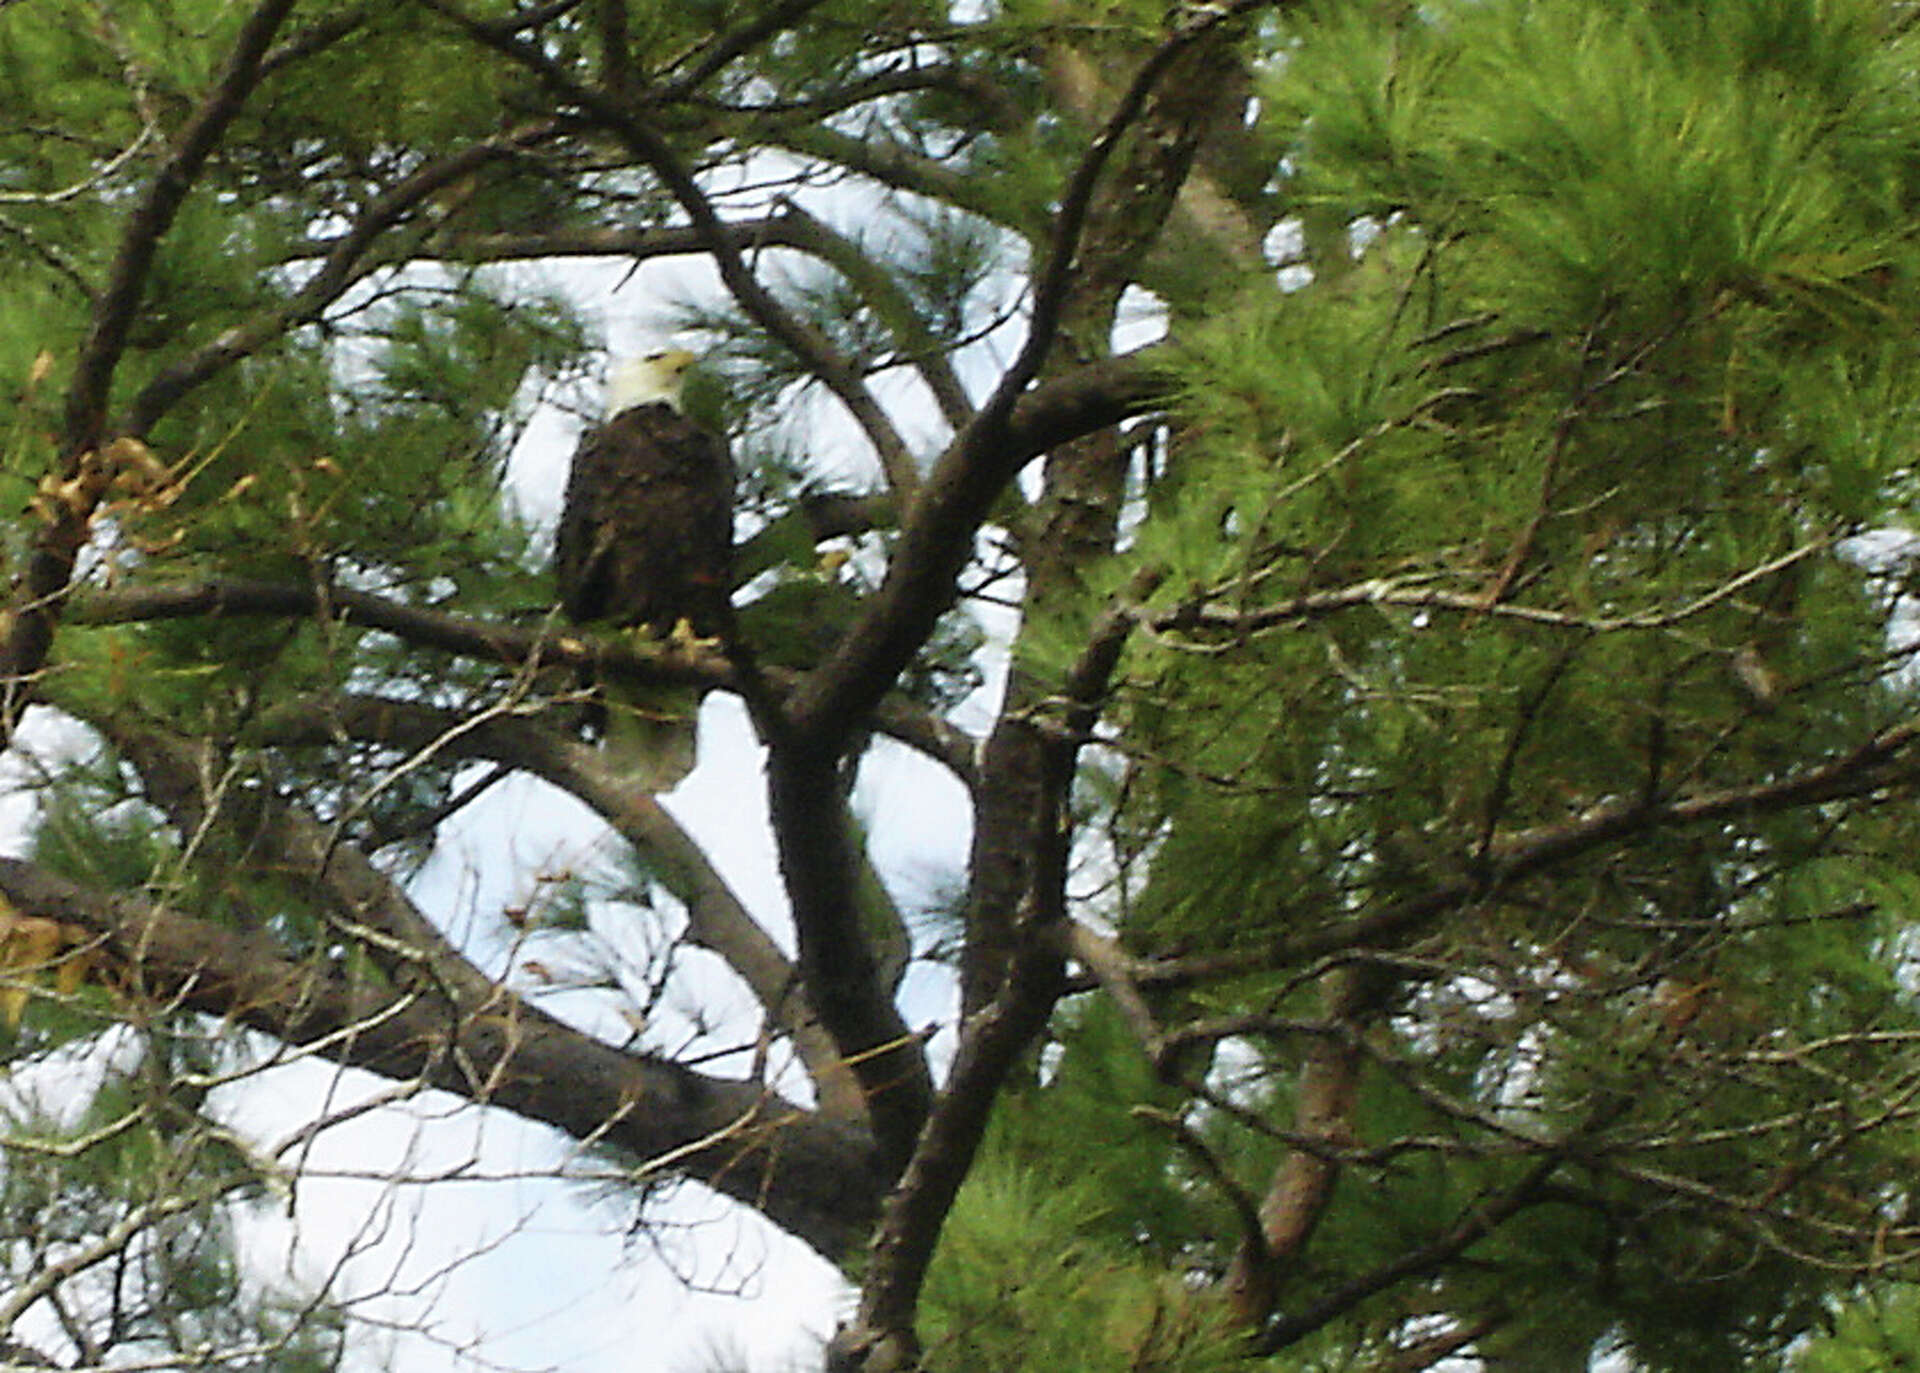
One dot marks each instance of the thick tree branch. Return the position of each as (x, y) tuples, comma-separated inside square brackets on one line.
[(617, 71), (809, 1175), (1028, 985), (992, 1043), (937, 532), (1203, 205), (816, 849), (1013, 973), (821, 865)]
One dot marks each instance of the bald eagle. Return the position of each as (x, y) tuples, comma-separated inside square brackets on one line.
[(646, 542)]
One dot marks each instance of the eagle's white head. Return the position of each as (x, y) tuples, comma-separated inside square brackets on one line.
[(653, 379)]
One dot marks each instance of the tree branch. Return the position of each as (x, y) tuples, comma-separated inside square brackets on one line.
[(1883, 763), (821, 867), (916, 1210), (1301, 1188), (815, 848), (937, 531), (367, 904), (1469, 1230), (777, 230), (150, 219), (317, 37), (343, 265), (728, 46), (902, 169), (809, 1175), (716, 919), (122, 1233), (926, 354), (1058, 263), (899, 719)]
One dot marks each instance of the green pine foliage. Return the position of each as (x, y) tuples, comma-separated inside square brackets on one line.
[(1874, 1332), (1459, 534), (1076, 1259)]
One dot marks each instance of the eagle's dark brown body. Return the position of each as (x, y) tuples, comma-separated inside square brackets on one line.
[(646, 541), (646, 531)]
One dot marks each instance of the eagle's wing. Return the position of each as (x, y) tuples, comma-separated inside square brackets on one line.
[(646, 530), (589, 526)]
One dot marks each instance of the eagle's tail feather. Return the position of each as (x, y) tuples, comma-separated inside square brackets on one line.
[(651, 735)]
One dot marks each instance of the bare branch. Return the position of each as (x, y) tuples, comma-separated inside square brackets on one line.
[(100, 174), (995, 106)]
